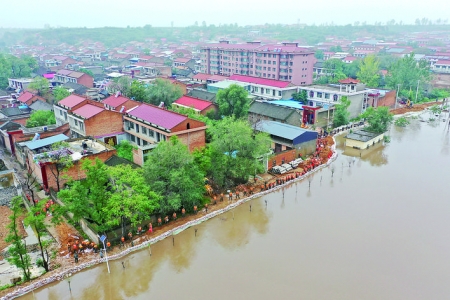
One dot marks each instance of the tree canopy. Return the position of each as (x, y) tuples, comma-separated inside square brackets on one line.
[(235, 149), (41, 85), (163, 90), (341, 113), (60, 93), (172, 173), (368, 72), (41, 118), (125, 150), (378, 118), (233, 101)]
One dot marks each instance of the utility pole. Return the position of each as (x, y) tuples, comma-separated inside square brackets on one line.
[(396, 97), (417, 90)]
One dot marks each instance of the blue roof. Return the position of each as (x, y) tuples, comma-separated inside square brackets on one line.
[(288, 103), (44, 142), (281, 129)]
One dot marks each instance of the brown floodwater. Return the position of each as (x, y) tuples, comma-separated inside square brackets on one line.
[(377, 227)]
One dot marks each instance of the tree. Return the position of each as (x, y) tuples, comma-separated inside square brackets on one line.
[(318, 54), (233, 101), (163, 91), (36, 220), (181, 184), (30, 182), (60, 93), (61, 161), (125, 150), (87, 198), (31, 62), (301, 96), (369, 71), (408, 73), (341, 114), (86, 71), (138, 91), (235, 150), (18, 67), (378, 118), (337, 48), (17, 251), (121, 85), (336, 68), (41, 118), (40, 85), (131, 197)]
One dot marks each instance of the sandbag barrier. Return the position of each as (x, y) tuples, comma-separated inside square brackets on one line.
[(63, 275)]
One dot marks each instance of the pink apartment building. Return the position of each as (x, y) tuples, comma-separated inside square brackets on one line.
[(286, 61)]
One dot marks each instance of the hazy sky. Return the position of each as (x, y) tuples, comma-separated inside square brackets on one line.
[(99, 13)]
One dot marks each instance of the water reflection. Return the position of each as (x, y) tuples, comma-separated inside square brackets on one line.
[(374, 155)]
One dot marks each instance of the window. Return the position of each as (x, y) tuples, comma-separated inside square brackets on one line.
[(274, 62), (319, 94), (274, 69), (133, 138), (151, 133), (327, 96), (76, 122), (144, 130), (138, 141), (81, 125), (137, 128), (61, 112), (269, 62), (130, 125), (279, 93), (267, 91), (144, 143)]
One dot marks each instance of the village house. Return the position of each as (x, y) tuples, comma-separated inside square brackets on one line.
[(66, 105), (28, 98), (269, 111), (198, 105), (147, 125), (19, 83), (269, 89), (95, 121), (63, 76), (119, 103), (39, 155)]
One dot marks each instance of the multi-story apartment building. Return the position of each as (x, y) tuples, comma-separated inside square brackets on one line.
[(284, 61)]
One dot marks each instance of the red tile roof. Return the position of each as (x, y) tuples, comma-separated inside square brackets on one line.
[(443, 62), (260, 81), (71, 101), (349, 81), (195, 103), (114, 101), (201, 76), (217, 78), (87, 111), (155, 115), (182, 59), (26, 96)]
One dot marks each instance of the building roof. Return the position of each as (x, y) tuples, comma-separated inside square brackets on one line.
[(282, 130), (200, 94), (217, 78), (71, 101), (181, 59), (443, 62), (260, 81), (362, 135), (201, 76), (44, 142), (41, 105), (26, 96), (158, 116), (88, 111), (197, 104), (349, 81), (270, 110), (76, 87), (15, 111), (114, 101), (226, 83), (116, 160), (64, 72)]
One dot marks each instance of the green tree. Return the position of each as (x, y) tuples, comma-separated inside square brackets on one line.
[(163, 91), (31, 62), (5, 71), (233, 101), (181, 184), (86, 71), (60, 93), (121, 84), (378, 118), (138, 91), (18, 255), (337, 48), (41, 118), (318, 54), (19, 67), (336, 68), (369, 71), (125, 150), (341, 113), (131, 198), (235, 149), (40, 85), (408, 73), (36, 220), (301, 96)]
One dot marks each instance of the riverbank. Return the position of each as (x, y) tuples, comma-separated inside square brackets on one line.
[(163, 232)]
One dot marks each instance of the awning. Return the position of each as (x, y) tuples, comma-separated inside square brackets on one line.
[(44, 142)]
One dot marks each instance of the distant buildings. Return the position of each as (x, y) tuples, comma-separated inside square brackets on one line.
[(286, 61)]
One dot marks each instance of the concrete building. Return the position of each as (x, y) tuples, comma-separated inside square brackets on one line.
[(198, 105), (63, 76), (286, 61), (362, 139), (269, 89)]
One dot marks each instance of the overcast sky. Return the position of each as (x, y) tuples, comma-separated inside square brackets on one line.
[(99, 13)]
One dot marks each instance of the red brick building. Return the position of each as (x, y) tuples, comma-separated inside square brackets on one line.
[(63, 76), (94, 121), (147, 125), (65, 106), (198, 105), (28, 98), (116, 103)]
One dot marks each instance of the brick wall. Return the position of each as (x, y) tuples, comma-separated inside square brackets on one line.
[(86, 80), (183, 125), (138, 157), (388, 99), (103, 123), (193, 140), (283, 157)]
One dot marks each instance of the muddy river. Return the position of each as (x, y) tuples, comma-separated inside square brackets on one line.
[(374, 225)]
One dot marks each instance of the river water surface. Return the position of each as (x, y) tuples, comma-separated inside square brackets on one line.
[(375, 227)]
